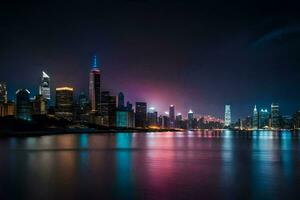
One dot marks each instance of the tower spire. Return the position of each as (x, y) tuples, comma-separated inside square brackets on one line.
[(95, 63)]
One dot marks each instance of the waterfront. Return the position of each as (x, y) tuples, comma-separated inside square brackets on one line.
[(161, 165)]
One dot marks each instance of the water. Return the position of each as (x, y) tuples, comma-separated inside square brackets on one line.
[(189, 165)]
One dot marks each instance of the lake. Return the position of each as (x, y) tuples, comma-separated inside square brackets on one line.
[(161, 165)]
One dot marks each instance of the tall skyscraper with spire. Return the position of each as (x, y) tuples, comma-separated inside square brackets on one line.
[(255, 118), (44, 88), (95, 86)]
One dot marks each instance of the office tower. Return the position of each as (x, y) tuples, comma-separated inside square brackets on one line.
[(164, 121), (124, 118), (227, 115), (83, 103), (264, 116), (3, 92), (44, 88), (108, 109), (121, 103), (172, 116), (39, 105), (23, 104), (112, 111), (296, 120), (64, 102), (255, 118), (140, 114), (179, 121), (152, 117), (275, 116), (7, 109), (190, 119), (95, 87), (129, 105)]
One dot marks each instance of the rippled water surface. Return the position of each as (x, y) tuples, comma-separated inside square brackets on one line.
[(188, 165)]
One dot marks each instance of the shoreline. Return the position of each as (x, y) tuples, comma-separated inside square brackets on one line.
[(7, 134)]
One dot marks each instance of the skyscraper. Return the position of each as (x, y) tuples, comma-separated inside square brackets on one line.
[(64, 102), (121, 103), (3, 92), (39, 105), (264, 116), (255, 118), (23, 104), (172, 116), (190, 119), (140, 114), (95, 87), (44, 88), (275, 116), (108, 109), (227, 115), (152, 117)]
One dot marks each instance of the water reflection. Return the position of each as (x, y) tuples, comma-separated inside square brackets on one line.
[(181, 165)]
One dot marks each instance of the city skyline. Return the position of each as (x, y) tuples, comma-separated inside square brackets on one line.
[(190, 55)]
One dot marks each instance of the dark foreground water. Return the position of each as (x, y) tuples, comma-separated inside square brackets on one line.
[(191, 165)]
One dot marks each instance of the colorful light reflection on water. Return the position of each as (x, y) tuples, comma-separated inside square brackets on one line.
[(168, 165)]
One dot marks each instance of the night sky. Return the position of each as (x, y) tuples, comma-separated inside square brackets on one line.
[(194, 55)]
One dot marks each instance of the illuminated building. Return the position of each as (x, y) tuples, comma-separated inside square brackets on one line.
[(227, 116), (296, 120), (108, 109), (164, 121), (190, 119), (140, 114), (275, 116), (255, 118), (64, 102), (172, 116), (44, 88), (7, 109), (83, 103), (121, 100), (95, 87), (264, 116), (179, 121), (152, 117), (124, 118), (3, 92), (39, 105), (23, 104)]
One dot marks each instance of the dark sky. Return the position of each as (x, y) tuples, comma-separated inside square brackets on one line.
[(194, 55)]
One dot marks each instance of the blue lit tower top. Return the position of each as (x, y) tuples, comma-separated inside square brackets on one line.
[(95, 63)]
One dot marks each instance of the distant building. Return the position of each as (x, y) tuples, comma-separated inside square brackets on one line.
[(7, 109), (39, 105), (227, 116), (275, 116), (64, 102), (172, 116), (179, 121), (296, 120), (83, 103), (23, 104), (164, 121), (140, 114), (3, 92), (44, 88), (152, 117), (124, 118), (95, 87), (264, 116), (108, 109), (121, 101), (255, 118), (190, 119)]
